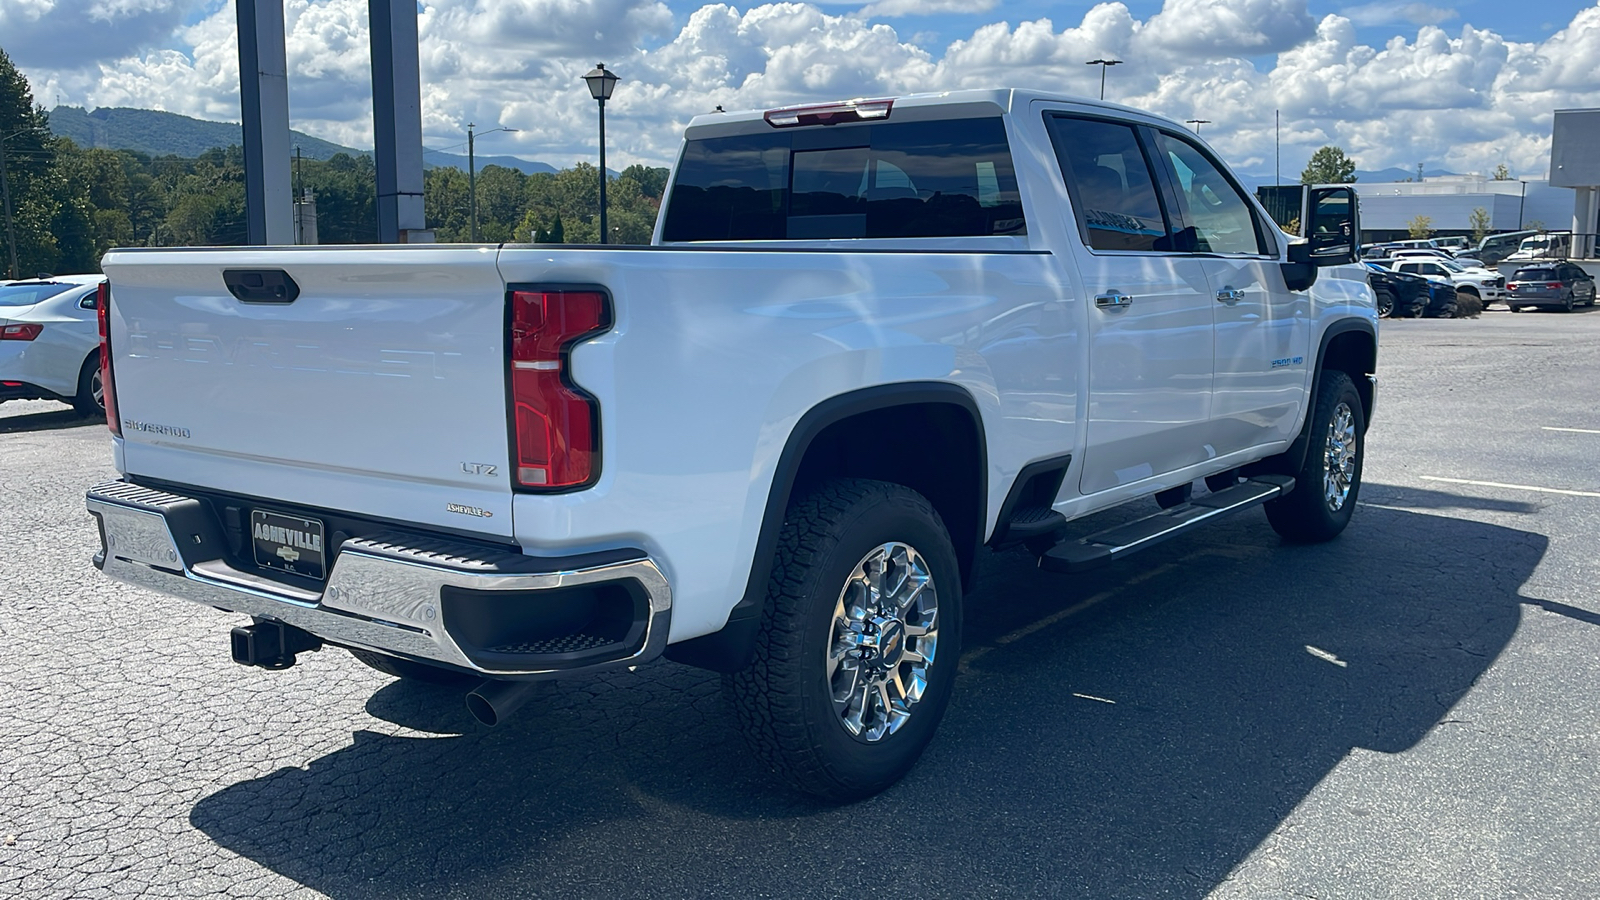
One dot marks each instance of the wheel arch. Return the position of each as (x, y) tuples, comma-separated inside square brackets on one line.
[(1350, 346), (927, 436)]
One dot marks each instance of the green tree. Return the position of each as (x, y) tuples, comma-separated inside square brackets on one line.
[(1501, 173), (1420, 226), (652, 181), (29, 159), (1329, 165), (1479, 221)]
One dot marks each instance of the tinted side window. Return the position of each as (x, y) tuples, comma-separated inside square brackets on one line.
[(1112, 186), (950, 178), (1208, 201)]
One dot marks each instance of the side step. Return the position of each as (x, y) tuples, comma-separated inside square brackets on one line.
[(1114, 543)]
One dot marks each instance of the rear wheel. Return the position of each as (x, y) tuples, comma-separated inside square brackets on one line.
[(1325, 489), (859, 641), (91, 397), (1566, 303), (411, 670)]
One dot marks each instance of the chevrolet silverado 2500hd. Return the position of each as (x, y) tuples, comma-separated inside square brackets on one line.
[(869, 340)]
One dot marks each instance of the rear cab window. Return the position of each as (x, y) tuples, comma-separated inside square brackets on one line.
[(29, 294), (942, 178)]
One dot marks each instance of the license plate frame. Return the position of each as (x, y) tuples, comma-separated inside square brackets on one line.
[(287, 543)]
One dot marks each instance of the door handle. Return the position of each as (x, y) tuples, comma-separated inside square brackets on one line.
[(1230, 296), (1113, 300)]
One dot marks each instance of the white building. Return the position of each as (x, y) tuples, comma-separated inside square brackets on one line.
[(1449, 200)]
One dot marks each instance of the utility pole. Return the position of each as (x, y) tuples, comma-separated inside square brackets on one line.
[(472, 172), (472, 184), (1197, 123), (1277, 151), (5, 195)]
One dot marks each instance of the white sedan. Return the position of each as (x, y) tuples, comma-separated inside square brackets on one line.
[(50, 341)]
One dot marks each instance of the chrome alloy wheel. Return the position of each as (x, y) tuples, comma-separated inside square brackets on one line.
[(1339, 458), (885, 637), (97, 389)]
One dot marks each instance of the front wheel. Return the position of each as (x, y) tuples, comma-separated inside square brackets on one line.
[(1385, 300), (859, 640), (1325, 488)]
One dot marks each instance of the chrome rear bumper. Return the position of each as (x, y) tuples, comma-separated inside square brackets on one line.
[(384, 591)]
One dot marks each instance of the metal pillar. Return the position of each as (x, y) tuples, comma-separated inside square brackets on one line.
[(397, 121), (264, 108)]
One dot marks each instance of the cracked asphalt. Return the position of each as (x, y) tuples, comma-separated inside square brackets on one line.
[(1409, 711)]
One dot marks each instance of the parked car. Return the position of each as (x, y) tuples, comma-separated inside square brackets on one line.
[(1488, 287), (1400, 295), (1465, 260), (1543, 246), (50, 341), (1494, 248), (1558, 285)]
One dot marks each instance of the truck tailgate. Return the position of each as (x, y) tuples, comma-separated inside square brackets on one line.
[(379, 390)]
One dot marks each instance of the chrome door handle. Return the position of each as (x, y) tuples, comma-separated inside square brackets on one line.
[(1230, 296), (1113, 300)]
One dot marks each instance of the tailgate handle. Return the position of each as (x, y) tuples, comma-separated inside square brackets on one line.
[(260, 285)]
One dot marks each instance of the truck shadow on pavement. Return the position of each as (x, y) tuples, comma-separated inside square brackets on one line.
[(1135, 732)]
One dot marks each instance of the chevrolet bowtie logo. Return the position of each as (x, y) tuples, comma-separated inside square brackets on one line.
[(289, 554)]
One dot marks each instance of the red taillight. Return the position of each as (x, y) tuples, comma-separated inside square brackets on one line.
[(1553, 285), (103, 314), (20, 332), (556, 423)]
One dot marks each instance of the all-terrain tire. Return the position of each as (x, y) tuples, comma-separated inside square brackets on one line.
[(411, 670), (785, 700), (1320, 505)]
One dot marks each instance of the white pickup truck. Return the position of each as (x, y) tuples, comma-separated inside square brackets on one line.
[(869, 340)]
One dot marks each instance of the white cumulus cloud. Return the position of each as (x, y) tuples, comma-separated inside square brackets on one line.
[(1461, 98)]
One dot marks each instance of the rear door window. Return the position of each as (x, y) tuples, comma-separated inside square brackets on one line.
[(1534, 275), (949, 178), (1111, 185)]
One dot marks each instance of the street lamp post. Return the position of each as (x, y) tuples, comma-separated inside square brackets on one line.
[(1104, 64), (1197, 123), (472, 172), (5, 195), (601, 83), (1522, 204)]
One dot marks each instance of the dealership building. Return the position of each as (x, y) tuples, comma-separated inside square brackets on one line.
[(1567, 200)]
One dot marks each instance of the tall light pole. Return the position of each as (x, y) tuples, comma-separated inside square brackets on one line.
[(1104, 64), (1522, 204), (1197, 123), (472, 172), (5, 195), (601, 84)]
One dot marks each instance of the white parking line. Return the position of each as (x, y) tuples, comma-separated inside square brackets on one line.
[(1512, 487), (1572, 430)]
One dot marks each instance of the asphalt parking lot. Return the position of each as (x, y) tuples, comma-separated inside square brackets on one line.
[(1412, 710)]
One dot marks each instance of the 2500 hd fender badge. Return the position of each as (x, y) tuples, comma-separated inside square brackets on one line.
[(468, 510)]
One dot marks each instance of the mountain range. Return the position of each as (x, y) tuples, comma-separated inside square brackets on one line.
[(161, 133)]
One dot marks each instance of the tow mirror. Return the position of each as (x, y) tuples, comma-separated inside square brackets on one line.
[(1327, 217)]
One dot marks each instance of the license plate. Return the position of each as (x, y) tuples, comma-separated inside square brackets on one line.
[(288, 543)]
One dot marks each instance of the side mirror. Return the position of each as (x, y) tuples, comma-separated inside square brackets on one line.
[(1334, 226)]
